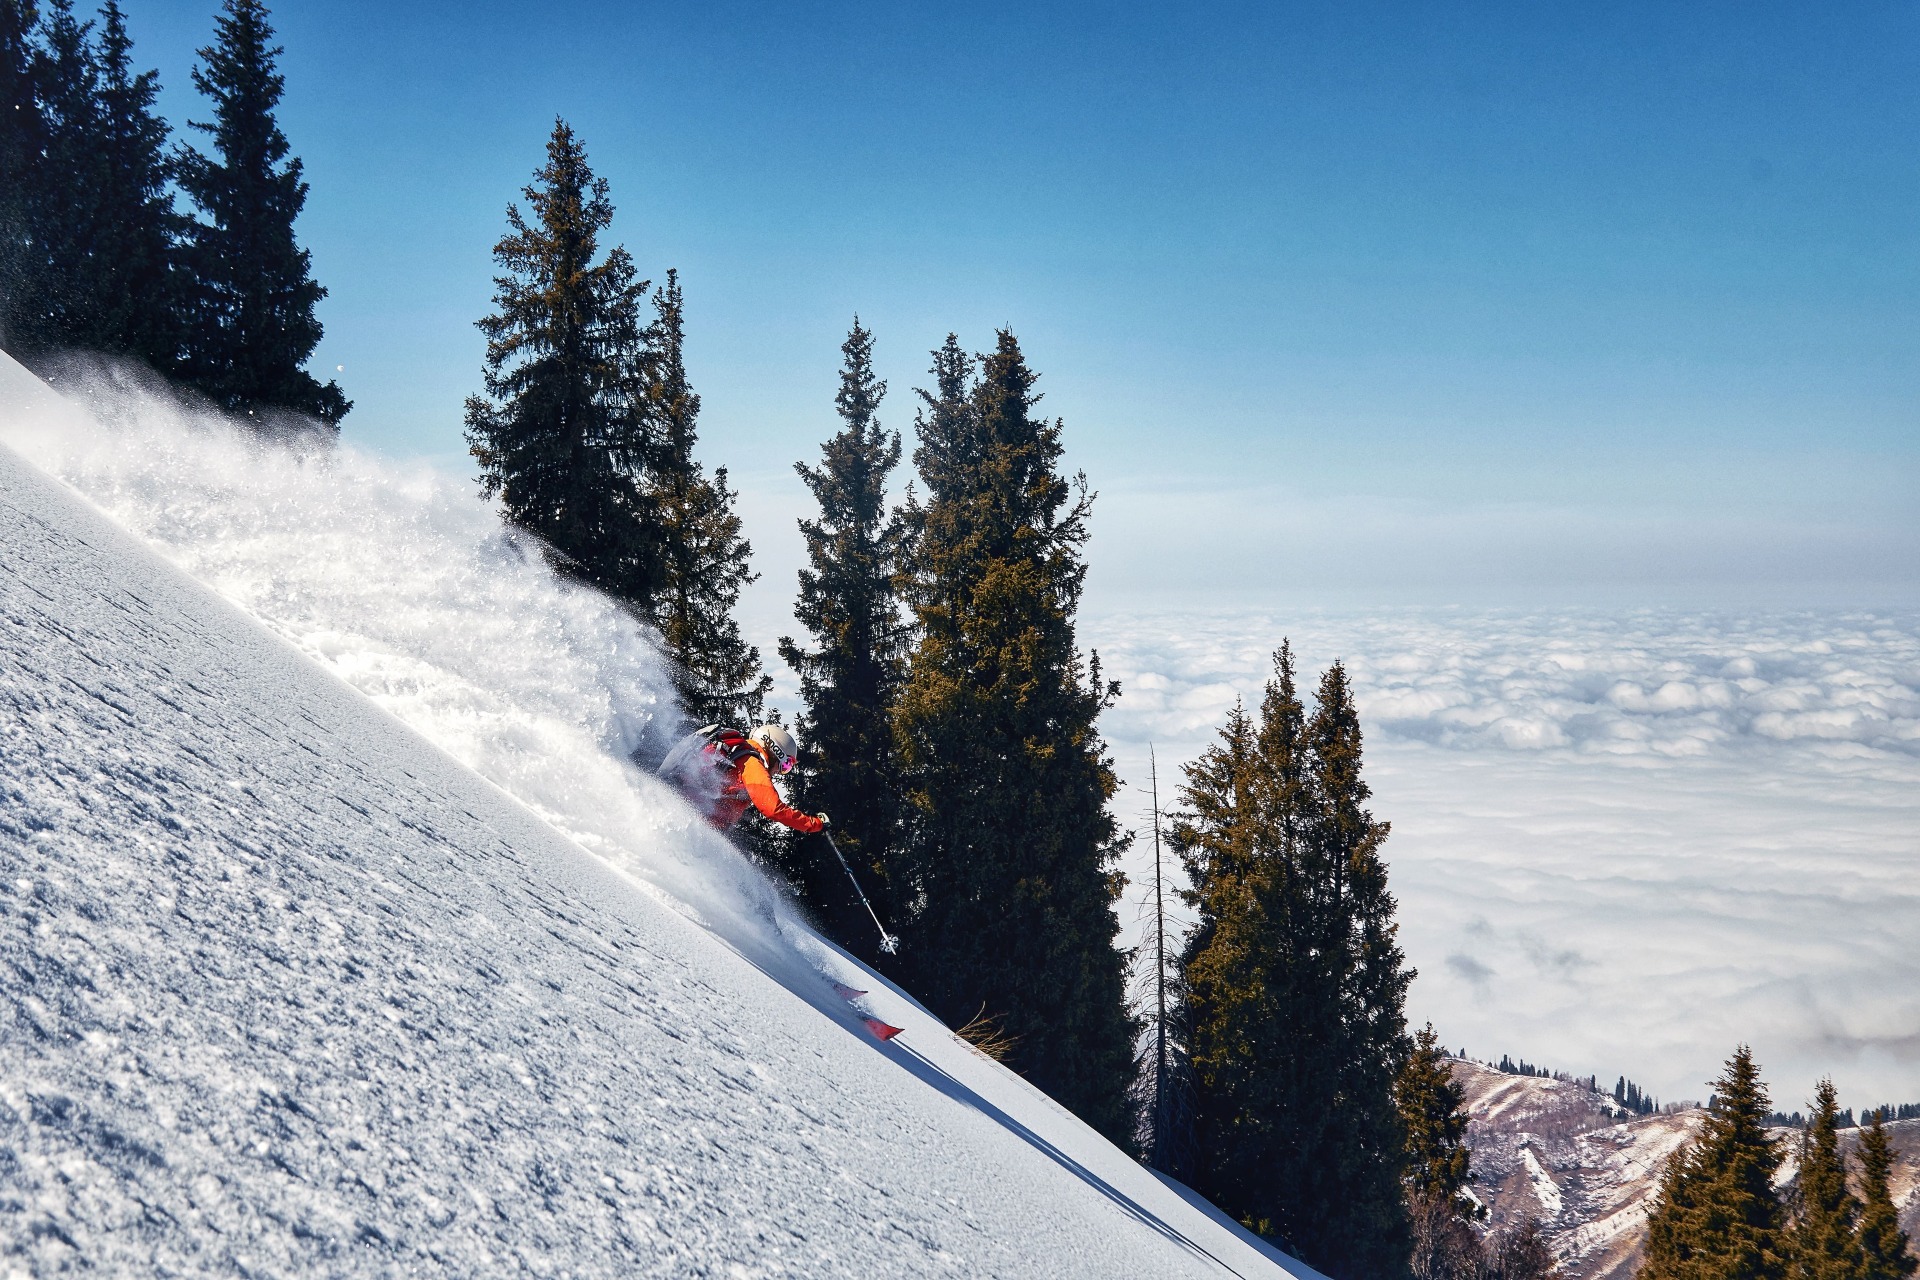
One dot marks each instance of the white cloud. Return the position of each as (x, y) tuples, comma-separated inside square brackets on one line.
[(1622, 842)]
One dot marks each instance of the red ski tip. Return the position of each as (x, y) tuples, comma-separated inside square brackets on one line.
[(846, 992), (881, 1031)]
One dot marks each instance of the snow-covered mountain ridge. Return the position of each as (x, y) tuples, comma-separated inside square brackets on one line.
[(1557, 1151), (292, 990)]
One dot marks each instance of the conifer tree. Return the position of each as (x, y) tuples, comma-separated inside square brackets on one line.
[(849, 680), (951, 450), (1163, 1066), (716, 673), (62, 218), (1883, 1245), (137, 292), (1296, 984), (1347, 844), (252, 322), (562, 435), (1825, 1241), (20, 148), (1009, 850), (1716, 1215), (1433, 1116), (105, 232)]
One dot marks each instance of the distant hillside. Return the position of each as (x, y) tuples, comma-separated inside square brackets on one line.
[(1570, 1156)]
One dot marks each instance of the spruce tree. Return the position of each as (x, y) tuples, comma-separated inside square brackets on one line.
[(1347, 844), (951, 449), (252, 322), (1008, 864), (21, 140), (1163, 1066), (562, 436), (1716, 1215), (137, 292), (1432, 1115), (848, 681), (105, 232), (716, 673), (63, 218), (1296, 984), (1883, 1245), (1825, 1241)]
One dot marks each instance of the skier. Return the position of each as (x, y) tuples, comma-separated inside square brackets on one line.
[(721, 771)]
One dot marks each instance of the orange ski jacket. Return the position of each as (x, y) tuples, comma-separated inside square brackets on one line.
[(751, 783)]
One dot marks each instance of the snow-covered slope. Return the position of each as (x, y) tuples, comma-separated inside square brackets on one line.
[(292, 990)]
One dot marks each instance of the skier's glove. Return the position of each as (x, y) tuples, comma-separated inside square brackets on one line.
[(825, 822)]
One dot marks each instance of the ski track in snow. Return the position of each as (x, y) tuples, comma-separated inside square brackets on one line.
[(292, 991)]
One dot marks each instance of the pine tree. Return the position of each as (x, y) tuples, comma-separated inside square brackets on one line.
[(62, 204), (1163, 1067), (561, 436), (716, 673), (1716, 1215), (951, 451), (1347, 841), (105, 232), (138, 290), (1883, 1245), (1296, 984), (21, 141), (1432, 1115), (252, 321), (1825, 1241), (850, 679), (1008, 859)]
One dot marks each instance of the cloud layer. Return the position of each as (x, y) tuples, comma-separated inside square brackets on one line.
[(1623, 842)]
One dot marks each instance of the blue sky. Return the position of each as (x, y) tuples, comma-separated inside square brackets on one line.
[(1385, 302)]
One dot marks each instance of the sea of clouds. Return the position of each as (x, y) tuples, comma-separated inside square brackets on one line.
[(1623, 842)]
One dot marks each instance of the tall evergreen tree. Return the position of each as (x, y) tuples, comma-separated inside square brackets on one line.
[(21, 140), (1716, 1215), (1008, 865), (137, 293), (562, 435), (1163, 1065), (952, 450), (1825, 1240), (1347, 843), (62, 218), (716, 673), (104, 229), (1433, 1115), (253, 322), (1883, 1245), (1296, 984), (849, 680)]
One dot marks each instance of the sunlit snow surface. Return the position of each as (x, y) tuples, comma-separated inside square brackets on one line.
[(1622, 842), (289, 991)]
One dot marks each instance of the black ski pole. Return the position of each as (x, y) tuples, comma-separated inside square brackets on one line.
[(888, 943)]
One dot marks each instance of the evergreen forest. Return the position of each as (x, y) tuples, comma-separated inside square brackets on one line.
[(1257, 1047)]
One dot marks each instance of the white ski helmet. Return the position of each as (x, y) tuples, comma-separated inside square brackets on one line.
[(778, 744)]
